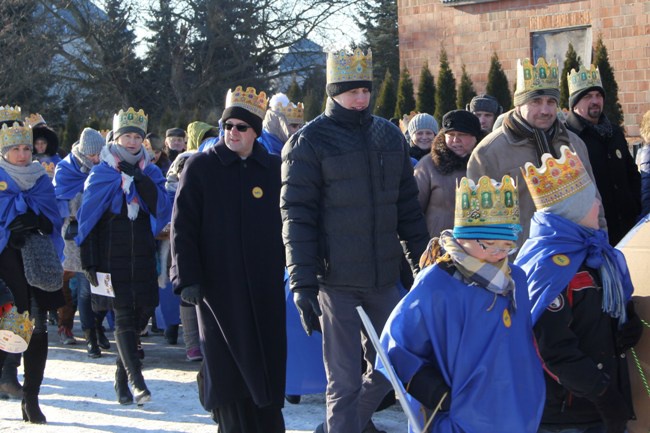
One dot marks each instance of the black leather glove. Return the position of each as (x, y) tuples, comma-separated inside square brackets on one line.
[(192, 294), (429, 388), (306, 301), (630, 333), (45, 226), (613, 410), (24, 223), (131, 170), (91, 275)]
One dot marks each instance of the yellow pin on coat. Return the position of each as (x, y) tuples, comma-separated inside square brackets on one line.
[(257, 192), (507, 321), (561, 260)]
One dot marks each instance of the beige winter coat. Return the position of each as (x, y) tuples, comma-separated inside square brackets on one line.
[(501, 153)]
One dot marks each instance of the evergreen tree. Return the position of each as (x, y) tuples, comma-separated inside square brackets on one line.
[(465, 90), (387, 99), (445, 88), (313, 89), (294, 93), (426, 99), (378, 23), (405, 100), (497, 84), (571, 61), (612, 107)]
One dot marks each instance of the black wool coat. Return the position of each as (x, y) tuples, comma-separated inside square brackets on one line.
[(226, 236)]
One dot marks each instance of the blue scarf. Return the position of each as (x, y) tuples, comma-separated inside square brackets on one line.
[(39, 198), (553, 254), (106, 188)]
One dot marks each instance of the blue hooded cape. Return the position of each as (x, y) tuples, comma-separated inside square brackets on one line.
[(39, 198), (103, 191), (68, 182), (486, 353), (554, 252)]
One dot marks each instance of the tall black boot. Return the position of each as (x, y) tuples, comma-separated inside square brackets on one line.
[(91, 343), (102, 341), (35, 358), (127, 346), (122, 390)]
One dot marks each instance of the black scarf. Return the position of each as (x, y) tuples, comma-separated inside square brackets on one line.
[(603, 128), (522, 129)]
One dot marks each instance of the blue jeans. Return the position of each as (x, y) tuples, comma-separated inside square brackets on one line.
[(593, 429)]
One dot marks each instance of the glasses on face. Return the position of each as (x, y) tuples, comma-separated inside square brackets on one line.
[(494, 251), (240, 127)]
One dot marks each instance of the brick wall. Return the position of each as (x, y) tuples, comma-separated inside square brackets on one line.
[(471, 33)]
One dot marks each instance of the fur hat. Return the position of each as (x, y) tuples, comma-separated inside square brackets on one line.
[(485, 103), (461, 121), (44, 132), (90, 142), (422, 121)]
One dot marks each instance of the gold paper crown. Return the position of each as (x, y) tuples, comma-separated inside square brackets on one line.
[(342, 66), (15, 331), (8, 113), (104, 132), (583, 79), (404, 121), (34, 119), (556, 179), (486, 202), (293, 112), (130, 117), (539, 77), (15, 135), (248, 100)]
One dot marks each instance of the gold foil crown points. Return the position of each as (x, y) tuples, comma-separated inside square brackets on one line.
[(294, 113), (8, 113), (486, 202), (248, 99), (539, 77), (583, 79), (342, 66), (34, 119), (15, 135), (556, 179), (130, 117), (404, 121)]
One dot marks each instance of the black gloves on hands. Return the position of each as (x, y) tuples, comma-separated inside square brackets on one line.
[(192, 294), (613, 410), (428, 387), (306, 301), (630, 333), (131, 170), (24, 223), (91, 275)]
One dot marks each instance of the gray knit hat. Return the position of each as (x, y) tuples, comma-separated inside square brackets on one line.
[(90, 142), (422, 121), (485, 103)]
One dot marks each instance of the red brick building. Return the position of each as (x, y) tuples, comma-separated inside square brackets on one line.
[(472, 30)]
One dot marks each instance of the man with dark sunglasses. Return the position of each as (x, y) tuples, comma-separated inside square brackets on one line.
[(228, 259)]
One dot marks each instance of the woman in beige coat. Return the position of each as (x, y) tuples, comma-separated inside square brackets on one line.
[(436, 174)]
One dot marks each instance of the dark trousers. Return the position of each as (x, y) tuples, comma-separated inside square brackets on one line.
[(244, 416)]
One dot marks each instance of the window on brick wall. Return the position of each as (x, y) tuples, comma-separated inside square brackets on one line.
[(464, 2), (553, 44)]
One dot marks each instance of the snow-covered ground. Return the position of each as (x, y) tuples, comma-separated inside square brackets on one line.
[(77, 396)]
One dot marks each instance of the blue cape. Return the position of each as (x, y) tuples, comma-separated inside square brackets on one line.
[(68, 182), (271, 143), (485, 352), (39, 198), (554, 252), (103, 191)]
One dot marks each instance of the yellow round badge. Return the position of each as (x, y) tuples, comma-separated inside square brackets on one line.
[(561, 260), (3, 185), (506, 318), (257, 192)]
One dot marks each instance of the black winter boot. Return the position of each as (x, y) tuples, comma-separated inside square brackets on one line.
[(122, 390), (127, 346), (91, 343), (35, 358), (102, 340)]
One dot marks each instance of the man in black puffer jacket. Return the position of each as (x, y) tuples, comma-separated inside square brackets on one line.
[(348, 198)]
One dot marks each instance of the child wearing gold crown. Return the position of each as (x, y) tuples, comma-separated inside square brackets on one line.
[(461, 340), (124, 205), (580, 291)]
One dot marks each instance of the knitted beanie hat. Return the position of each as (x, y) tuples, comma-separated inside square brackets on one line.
[(90, 142), (422, 121)]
